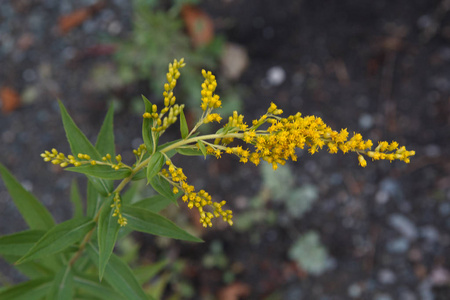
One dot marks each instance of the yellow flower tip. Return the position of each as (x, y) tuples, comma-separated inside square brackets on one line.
[(93, 162), (362, 161), (146, 115)]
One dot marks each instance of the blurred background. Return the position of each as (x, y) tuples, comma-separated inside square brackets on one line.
[(320, 228)]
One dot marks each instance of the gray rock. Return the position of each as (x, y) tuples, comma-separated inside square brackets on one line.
[(400, 245), (404, 226)]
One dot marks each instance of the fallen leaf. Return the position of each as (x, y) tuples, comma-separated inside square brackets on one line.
[(234, 291), (67, 22), (10, 99), (199, 25)]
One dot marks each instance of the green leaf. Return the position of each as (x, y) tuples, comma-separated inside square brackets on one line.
[(62, 287), (104, 187), (147, 272), (80, 144), (202, 148), (105, 140), (139, 175), (119, 275), (34, 213), (95, 288), (155, 203), (129, 195), (94, 199), (190, 151), (147, 126), (18, 244), (75, 198), (155, 164), (163, 187), (183, 125), (77, 140), (31, 269), (29, 290), (146, 221), (107, 231), (101, 171), (59, 238)]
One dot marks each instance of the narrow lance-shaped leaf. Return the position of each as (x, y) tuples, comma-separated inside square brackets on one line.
[(29, 290), (78, 142), (202, 148), (105, 139), (146, 126), (58, 238), (189, 152), (62, 287), (91, 287), (94, 199), (154, 165), (18, 244), (34, 213), (146, 221), (155, 203), (107, 231), (32, 269), (75, 198), (183, 125), (163, 188), (101, 171), (119, 275)]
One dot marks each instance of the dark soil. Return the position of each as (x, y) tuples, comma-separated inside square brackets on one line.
[(381, 68)]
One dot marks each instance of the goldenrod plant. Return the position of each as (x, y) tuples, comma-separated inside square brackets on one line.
[(60, 260)]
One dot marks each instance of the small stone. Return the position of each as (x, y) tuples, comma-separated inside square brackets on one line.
[(407, 295), (432, 150), (355, 290), (386, 276), (382, 297), (444, 209), (366, 121), (398, 246), (275, 76), (382, 197), (234, 61), (440, 276), (403, 225), (430, 233)]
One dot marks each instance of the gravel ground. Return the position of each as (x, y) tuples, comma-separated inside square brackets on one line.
[(375, 67)]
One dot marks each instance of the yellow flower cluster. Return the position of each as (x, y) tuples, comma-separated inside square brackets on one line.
[(116, 205), (200, 199), (209, 99), (280, 141), (59, 158), (284, 136), (161, 122)]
